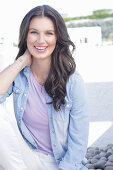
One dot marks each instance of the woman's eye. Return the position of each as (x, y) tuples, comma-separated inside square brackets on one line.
[(49, 33), (33, 32)]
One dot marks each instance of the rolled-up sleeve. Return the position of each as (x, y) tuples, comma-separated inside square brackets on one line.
[(78, 127), (7, 94)]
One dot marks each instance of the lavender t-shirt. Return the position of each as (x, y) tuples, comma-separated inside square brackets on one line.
[(36, 116)]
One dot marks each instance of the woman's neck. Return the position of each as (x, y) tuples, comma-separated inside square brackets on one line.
[(40, 70)]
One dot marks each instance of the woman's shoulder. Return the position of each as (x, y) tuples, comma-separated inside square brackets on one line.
[(75, 86), (76, 76)]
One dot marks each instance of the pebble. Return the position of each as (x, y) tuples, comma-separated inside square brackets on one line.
[(89, 166), (103, 158), (110, 150), (108, 168), (108, 154), (97, 156), (111, 159), (100, 158), (102, 154), (100, 164), (96, 152), (93, 160), (108, 163)]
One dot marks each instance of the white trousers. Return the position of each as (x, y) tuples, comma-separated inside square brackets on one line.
[(15, 154)]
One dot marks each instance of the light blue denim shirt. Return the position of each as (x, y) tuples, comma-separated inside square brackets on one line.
[(68, 126)]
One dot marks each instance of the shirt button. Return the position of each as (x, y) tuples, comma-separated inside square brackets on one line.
[(25, 70), (22, 108), (53, 131), (17, 91), (67, 105), (54, 145), (25, 94)]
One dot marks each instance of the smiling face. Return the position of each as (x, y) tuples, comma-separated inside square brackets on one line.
[(41, 38)]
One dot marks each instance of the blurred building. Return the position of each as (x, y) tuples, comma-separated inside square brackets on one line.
[(89, 35), (7, 51)]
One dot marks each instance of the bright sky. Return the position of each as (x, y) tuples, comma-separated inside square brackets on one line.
[(12, 11)]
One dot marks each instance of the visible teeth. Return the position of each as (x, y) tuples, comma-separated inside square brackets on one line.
[(40, 48)]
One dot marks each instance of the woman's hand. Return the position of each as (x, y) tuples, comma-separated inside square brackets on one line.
[(26, 58)]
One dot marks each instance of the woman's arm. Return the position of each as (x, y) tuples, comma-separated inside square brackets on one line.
[(8, 75)]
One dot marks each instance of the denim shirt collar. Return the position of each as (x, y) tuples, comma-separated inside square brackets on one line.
[(26, 71)]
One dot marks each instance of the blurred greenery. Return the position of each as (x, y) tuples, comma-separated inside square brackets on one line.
[(102, 13), (102, 18)]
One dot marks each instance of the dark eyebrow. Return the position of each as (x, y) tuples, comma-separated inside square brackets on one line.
[(37, 30), (33, 29)]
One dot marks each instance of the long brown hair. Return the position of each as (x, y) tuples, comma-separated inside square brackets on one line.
[(62, 62)]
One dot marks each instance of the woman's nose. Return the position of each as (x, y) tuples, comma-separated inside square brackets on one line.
[(40, 39)]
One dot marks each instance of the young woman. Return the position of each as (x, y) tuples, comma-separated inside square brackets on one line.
[(50, 103)]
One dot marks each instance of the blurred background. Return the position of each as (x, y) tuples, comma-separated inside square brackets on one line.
[(90, 26)]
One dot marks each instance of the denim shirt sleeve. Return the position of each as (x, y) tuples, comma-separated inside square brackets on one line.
[(78, 127), (7, 94)]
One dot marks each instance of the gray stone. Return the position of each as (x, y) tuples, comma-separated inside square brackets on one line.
[(111, 158), (100, 164), (93, 160), (108, 168), (84, 161), (105, 148), (108, 154), (102, 153), (110, 145), (91, 151), (110, 150), (103, 158), (96, 152), (89, 155), (88, 161), (108, 163), (97, 156), (96, 148), (89, 166)]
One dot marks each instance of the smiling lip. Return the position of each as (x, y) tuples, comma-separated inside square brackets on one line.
[(41, 48)]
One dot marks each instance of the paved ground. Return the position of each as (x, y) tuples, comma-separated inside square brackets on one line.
[(96, 66), (100, 97)]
